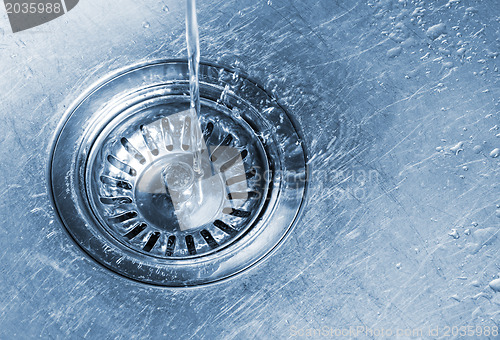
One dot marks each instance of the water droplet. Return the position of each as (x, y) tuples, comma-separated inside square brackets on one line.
[(484, 237), (394, 52), (165, 8), (495, 153), (465, 168), (448, 64), (146, 24), (436, 31), (398, 265), (29, 73), (495, 285), (454, 233), (477, 149), (457, 148), (467, 232)]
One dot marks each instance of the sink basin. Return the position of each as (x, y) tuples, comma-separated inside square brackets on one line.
[(398, 105)]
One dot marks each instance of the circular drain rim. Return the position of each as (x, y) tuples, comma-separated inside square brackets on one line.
[(284, 203)]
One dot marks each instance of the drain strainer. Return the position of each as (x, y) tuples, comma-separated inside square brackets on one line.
[(123, 183)]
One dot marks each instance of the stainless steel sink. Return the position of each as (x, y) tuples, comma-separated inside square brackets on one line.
[(398, 105)]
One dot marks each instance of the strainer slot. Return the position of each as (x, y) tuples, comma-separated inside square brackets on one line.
[(149, 141), (166, 130), (219, 149), (240, 157), (225, 227), (186, 134), (209, 239), (207, 132), (122, 217), (132, 150), (242, 195), (116, 200), (236, 212), (136, 230), (152, 241), (240, 178), (117, 183), (124, 167), (190, 244), (170, 245)]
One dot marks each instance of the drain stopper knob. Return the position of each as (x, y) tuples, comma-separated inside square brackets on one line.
[(178, 178)]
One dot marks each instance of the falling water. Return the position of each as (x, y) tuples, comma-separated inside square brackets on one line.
[(193, 48)]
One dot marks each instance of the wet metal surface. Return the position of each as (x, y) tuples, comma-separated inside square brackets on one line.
[(398, 103)]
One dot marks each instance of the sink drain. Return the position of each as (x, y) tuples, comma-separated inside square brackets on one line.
[(123, 184)]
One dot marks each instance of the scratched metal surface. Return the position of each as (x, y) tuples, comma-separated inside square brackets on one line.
[(402, 129)]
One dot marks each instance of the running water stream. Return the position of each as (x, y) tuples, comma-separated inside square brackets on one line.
[(193, 48)]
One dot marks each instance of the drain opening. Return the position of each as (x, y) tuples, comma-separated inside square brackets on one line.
[(132, 200)]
